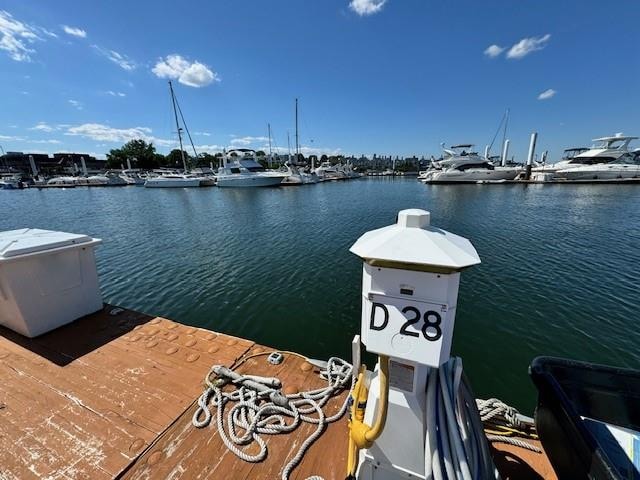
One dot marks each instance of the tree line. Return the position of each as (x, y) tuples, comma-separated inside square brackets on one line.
[(143, 155)]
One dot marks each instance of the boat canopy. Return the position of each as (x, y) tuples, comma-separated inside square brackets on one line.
[(617, 141)]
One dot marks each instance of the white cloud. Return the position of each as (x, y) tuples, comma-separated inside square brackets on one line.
[(204, 134), (119, 59), (492, 51), (52, 141), (366, 7), (192, 74), (74, 31), (527, 45), (248, 140), (16, 37), (49, 33), (105, 133), (115, 94), (209, 148), (547, 94), (43, 127), (76, 104), (11, 138)]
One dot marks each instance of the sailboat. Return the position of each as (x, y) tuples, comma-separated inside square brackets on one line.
[(175, 180), (296, 175)]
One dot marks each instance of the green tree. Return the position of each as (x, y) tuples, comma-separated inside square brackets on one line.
[(141, 154), (174, 159), (205, 159), (260, 153)]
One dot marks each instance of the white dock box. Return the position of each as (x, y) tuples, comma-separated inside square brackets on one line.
[(47, 279)]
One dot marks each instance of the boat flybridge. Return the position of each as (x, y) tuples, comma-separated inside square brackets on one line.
[(461, 164), (241, 169), (610, 160)]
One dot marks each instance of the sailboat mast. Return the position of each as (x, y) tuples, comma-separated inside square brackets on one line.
[(175, 113), (288, 148), (297, 140), (270, 152)]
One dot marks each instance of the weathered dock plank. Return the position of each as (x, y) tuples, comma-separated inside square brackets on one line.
[(187, 452), (87, 399)]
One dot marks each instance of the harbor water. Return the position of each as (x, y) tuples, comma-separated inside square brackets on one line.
[(559, 272)]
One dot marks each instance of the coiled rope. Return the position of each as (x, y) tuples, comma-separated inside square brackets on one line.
[(259, 408), (496, 414)]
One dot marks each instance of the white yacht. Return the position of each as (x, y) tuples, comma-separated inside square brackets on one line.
[(107, 180), (173, 180), (132, 177), (240, 169), (11, 182), (62, 182), (326, 172), (460, 164), (568, 159), (297, 176), (610, 159)]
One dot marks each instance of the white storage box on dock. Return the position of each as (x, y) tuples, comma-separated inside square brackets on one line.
[(47, 279)]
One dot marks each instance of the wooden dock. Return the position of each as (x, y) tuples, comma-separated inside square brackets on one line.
[(112, 396)]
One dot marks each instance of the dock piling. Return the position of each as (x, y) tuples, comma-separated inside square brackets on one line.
[(532, 149), (505, 152)]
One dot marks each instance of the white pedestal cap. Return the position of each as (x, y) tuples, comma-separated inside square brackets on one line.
[(413, 244)]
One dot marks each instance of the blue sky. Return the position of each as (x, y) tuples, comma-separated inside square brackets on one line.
[(392, 77)]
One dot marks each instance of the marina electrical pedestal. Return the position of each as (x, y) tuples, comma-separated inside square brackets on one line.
[(411, 274)]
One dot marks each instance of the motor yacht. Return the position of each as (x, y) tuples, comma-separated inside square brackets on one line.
[(107, 180), (132, 177), (11, 182), (607, 150), (173, 180), (298, 176), (460, 164), (326, 172), (568, 159), (241, 169), (612, 160), (62, 182)]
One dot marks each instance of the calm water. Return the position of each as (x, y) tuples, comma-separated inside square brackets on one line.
[(559, 273)]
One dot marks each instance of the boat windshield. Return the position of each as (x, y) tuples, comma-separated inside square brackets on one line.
[(572, 152), (627, 160), (251, 165), (591, 160), (468, 166)]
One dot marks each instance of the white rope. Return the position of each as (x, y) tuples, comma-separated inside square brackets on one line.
[(256, 416), (492, 408), (513, 441), (497, 412)]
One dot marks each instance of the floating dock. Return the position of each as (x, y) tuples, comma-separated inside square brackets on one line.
[(112, 395)]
